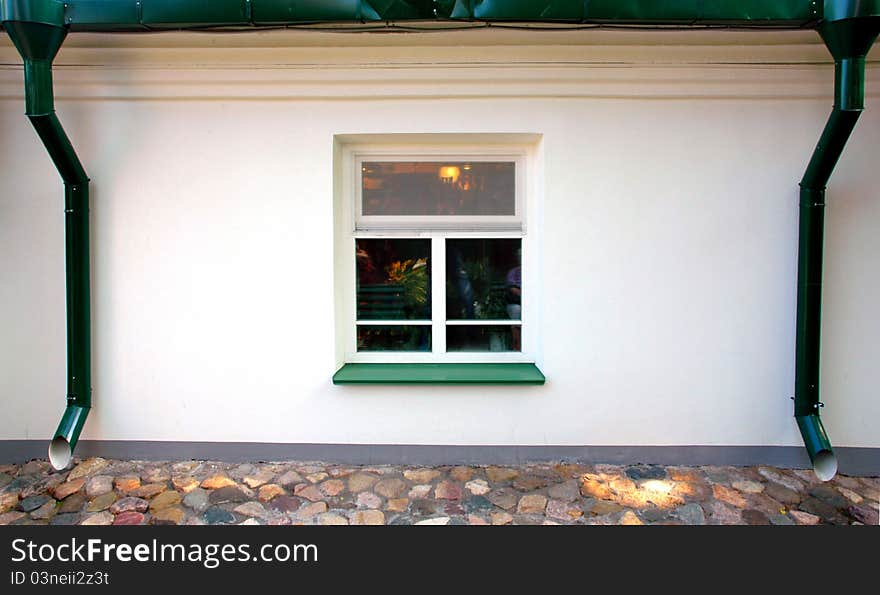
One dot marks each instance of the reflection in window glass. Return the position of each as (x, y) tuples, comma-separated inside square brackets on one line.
[(393, 279), (393, 338), (407, 188), (483, 338), (483, 279)]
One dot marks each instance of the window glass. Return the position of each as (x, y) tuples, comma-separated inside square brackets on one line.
[(438, 188), (483, 338), (483, 279), (393, 338), (393, 279)]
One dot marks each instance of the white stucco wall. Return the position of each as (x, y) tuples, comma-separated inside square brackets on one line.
[(669, 241)]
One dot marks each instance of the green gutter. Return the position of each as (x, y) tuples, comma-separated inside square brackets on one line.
[(141, 15), (38, 43), (849, 37)]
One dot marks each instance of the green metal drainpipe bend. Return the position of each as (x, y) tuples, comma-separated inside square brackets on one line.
[(849, 32), (38, 43)]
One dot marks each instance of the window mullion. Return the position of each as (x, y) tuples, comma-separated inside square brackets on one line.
[(438, 295)]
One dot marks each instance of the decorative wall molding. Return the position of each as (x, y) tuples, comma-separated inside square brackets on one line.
[(288, 65), (371, 80)]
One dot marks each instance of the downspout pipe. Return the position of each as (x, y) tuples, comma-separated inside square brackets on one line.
[(38, 43), (849, 31)]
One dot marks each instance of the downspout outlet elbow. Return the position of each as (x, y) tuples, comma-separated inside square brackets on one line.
[(67, 435), (818, 446)]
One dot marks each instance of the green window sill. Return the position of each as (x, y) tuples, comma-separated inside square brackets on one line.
[(438, 374)]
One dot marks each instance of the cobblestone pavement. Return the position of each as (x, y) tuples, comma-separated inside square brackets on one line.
[(104, 492)]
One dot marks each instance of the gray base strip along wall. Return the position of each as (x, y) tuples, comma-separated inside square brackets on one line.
[(853, 461)]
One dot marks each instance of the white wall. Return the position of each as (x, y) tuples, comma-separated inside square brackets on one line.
[(669, 246)]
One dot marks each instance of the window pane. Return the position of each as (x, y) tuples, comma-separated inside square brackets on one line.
[(393, 279), (483, 279), (408, 188), (394, 338), (483, 338)]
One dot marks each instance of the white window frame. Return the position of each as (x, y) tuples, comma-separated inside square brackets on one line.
[(437, 229)]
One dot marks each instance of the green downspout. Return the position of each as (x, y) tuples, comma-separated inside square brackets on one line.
[(38, 43), (849, 30)]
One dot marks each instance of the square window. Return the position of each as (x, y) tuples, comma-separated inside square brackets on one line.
[(435, 265)]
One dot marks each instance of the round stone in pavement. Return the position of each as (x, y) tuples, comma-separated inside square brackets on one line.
[(129, 517), (501, 474), (823, 510), (392, 487), (691, 514), (172, 515), (227, 494), (653, 515), (216, 482), (197, 499), (402, 520), (804, 518), (102, 502), (478, 487), (504, 498), (165, 500), (478, 503), (100, 518), (425, 507), (129, 504), (98, 485), (367, 517), (603, 507), (72, 503), (33, 503), (217, 516), (156, 475), (65, 519), (567, 491), (782, 493), (639, 472), (755, 517), (532, 504), (529, 483), (331, 518), (448, 490), (867, 515), (360, 482), (284, 504), (87, 467), (829, 496), (780, 519), (368, 500), (64, 490), (45, 511)]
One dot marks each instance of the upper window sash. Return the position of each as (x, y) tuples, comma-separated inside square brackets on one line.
[(455, 174)]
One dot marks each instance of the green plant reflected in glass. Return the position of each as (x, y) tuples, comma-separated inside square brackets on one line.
[(393, 279)]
